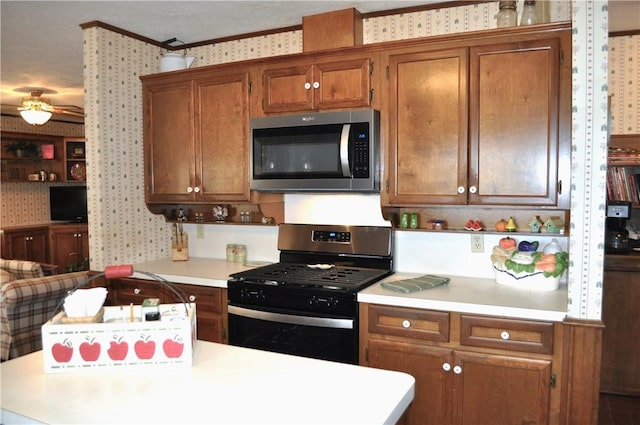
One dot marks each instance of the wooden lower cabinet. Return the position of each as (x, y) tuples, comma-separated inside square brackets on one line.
[(28, 243), (211, 302), (69, 247), (458, 384), (620, 361)]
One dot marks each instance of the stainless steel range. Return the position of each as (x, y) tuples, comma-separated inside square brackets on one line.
[(306, 304)]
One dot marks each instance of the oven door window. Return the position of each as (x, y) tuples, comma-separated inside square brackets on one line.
[(301, 152), (320, 338)]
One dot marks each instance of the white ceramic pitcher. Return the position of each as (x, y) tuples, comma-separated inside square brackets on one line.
[(173, 61)]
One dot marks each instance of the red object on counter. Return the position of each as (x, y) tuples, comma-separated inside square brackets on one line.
[(122, 270)]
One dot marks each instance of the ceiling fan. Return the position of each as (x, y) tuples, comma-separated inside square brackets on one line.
[(37, 110)]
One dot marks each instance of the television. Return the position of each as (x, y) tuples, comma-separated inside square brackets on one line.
[(68, 203)]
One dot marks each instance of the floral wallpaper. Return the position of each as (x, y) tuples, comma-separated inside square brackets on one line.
[(624, 84)]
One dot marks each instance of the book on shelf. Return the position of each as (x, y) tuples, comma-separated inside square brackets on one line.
[(623, 185)]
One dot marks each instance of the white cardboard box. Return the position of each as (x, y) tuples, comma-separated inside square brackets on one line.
[(118, 342)]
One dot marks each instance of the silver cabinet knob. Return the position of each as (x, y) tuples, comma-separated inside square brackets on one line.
[(307, 86), (446, 367), (461, 189), (457, 370), (505, 335), (137, 291), (192, 298), (189, 189), (406, 324), (473, 189), (316, 84), (196, 189)]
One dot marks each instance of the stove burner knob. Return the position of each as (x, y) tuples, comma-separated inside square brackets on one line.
[(313, 301)]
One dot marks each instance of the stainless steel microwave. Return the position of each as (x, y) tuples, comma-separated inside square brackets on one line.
[(316, 152)]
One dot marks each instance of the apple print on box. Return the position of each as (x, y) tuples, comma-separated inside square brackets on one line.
[(90, 350), (173, 348), (118, 348), (62, 351), (144, 348)]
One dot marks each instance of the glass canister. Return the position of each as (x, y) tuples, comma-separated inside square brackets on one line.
[(529, 13), (507, 15)]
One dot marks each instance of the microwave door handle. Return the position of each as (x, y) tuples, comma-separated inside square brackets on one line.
[(344, 150)]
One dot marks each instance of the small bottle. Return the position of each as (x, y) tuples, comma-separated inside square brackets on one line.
[(529, 13), (404, 220), (241, 254), (413, 221), (507, 16)]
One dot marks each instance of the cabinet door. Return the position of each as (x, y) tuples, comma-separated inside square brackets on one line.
[(287, 88), (324, 84), (620, 373), (69, 245), (222, 137), (431, 403), (28, 245), (500, 390), (514, 123), (427, 127), (342, 84), (210, 309), (169, 141)]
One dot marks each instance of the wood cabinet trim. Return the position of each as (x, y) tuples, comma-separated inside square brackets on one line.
[(409, 323)]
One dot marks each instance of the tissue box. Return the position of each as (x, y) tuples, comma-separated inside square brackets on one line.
[(117, 342)]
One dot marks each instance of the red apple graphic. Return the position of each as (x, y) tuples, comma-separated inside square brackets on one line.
[(89, 350), (144, 348), (173, 348), (62, 351), (118, 349)]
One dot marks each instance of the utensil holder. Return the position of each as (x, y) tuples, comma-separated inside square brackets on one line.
[(180, 248)]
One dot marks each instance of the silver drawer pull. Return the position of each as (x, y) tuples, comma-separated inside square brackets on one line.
[(137, 291), (192, 298), (406, 324), (505, 335)]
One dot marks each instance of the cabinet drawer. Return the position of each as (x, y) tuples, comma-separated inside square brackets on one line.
[(409, 323), (137, 290), (207, 299), (507, 334)]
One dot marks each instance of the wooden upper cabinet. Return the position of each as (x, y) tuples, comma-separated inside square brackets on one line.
[(428, 126), (303, 85), (480, 122), (196, 136), (514, 143), (222, 136), (169, 140)]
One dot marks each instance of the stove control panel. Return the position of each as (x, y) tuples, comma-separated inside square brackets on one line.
[(331, 236)]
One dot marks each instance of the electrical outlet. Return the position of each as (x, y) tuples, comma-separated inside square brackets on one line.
[(200, 231), (477, 242)]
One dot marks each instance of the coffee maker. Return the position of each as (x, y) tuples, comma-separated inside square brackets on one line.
[(616, 239)]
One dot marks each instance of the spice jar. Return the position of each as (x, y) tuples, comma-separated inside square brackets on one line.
[(507, 15), (529, 13)]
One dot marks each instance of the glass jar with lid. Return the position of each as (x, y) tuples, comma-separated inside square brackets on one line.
[(507, 14), (529, 13)]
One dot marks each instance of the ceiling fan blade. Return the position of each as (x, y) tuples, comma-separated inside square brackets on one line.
[(78, 113)]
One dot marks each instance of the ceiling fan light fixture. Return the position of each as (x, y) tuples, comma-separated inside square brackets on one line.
[(35, 110), (35, 116)]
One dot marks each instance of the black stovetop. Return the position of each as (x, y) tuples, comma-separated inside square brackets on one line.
[(312, 275)]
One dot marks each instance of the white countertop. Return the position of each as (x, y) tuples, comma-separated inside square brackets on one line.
[(225, 385), (196, 271), (462, 294), (473, 295)]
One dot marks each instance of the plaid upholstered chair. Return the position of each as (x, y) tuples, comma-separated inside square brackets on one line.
[(28, 299)]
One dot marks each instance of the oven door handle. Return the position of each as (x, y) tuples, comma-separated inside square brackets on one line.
[(321, 322)]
